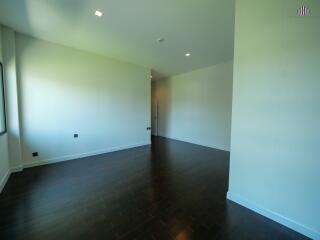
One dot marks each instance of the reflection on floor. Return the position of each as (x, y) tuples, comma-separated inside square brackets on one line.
[(170, 190)]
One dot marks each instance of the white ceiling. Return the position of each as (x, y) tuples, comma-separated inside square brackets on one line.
[(129, 28)]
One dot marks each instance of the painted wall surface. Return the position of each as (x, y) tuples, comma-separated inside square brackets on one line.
[(4, 156), (13, 111), (2, 102), (196, 106), (276, 112), (64, 91)]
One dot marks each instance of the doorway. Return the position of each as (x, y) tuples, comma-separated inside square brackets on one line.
[(154, 110)]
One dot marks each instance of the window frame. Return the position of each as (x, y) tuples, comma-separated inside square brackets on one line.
[(4, 101)]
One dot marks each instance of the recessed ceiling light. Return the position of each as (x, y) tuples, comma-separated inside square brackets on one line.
[(188, 54), (98, 13), (160, 40)]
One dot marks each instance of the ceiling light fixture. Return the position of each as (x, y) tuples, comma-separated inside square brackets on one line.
[(98, 13), (160, 40), (303, 11), (188, 54)]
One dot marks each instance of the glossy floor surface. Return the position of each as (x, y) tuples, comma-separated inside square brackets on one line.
[(170, 190)]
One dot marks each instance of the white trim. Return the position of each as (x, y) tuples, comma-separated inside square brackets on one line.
[(298, 227), (196, 143), (4, 180), (82, 155), (16, 169)]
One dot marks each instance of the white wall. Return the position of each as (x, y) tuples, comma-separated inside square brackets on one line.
[(13, 118), (4, 156), (4, 161), (65, 91), (196, 106), (275, 161)]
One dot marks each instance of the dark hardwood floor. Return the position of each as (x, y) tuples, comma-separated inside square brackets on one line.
[(170, 190)]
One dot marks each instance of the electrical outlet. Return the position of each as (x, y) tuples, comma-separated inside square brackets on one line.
[(76, 135), (35, 154), (148, 128)]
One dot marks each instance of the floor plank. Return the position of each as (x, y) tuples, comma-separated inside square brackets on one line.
[(170, 190)]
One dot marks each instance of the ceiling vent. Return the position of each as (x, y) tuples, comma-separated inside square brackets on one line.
[(303, 11)]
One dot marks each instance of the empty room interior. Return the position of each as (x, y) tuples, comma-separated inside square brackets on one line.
[(160, 120)]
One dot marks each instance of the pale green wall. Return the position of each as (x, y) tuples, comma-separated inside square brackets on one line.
[(196, 106), (12, 103), (276, 112), (65, 91), (4, 156)]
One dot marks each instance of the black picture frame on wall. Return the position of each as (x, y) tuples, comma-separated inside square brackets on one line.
[(2, 99)]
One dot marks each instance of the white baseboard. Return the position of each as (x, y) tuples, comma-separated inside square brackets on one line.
[(16, 169), (196, 143), (4, 180), (298, 227), (82, 155)]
